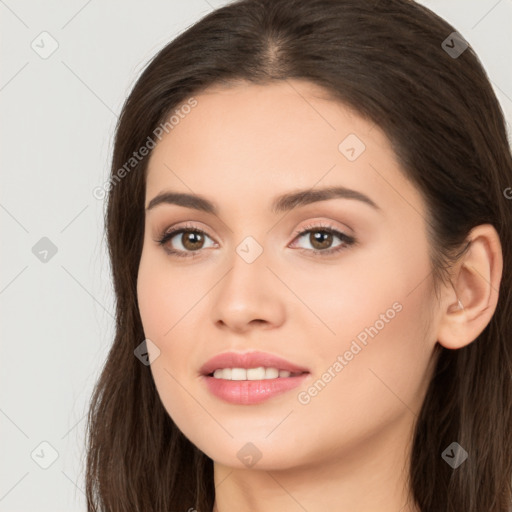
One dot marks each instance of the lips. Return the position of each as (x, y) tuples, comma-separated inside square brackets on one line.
[(249, 360)]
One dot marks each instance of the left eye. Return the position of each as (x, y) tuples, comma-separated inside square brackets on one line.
[(192, 240), (322, 238)]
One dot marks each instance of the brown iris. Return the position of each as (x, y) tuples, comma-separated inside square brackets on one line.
[(192, 240), (324, 238)]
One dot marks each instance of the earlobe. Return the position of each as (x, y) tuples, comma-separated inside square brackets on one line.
[(468, 308)]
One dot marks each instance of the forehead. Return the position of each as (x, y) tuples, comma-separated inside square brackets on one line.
[(249, 139), (265, 119)]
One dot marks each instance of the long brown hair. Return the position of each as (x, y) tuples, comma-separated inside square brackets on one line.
[(387, 61)]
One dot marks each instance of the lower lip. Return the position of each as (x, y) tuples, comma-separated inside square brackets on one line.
[(249, 392)]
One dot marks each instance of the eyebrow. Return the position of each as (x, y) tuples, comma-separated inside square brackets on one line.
[(281, 203)]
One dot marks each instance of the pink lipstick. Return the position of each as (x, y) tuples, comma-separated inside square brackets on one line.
[(250, 378)]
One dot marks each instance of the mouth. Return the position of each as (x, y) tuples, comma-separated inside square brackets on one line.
[(250, 378), (252, 374)]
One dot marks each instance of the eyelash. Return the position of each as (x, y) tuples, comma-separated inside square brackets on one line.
[(346, 239)]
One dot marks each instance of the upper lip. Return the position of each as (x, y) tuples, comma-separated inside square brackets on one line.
[(253, 359)]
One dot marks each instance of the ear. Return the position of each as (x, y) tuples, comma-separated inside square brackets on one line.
[(476, 284)]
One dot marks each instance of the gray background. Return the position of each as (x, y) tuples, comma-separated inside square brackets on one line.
[(58, 117)]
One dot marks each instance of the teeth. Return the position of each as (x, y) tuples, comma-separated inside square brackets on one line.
[(259, 373)]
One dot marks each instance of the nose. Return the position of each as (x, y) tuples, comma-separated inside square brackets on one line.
[(248, 296)]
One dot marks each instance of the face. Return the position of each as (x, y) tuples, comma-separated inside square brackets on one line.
[(338, 285)]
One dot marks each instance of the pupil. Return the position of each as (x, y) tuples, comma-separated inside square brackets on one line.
[(321, 237), (189, 239)]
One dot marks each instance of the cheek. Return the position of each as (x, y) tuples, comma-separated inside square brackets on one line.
[(159, 313), (376, 372), (150, 297), (351, 294), (379, 314), (367, 283), (169, 304), (166, 294)]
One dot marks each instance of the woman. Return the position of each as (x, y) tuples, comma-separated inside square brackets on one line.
[(310, 240)]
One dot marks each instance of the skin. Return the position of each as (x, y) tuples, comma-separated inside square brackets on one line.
[(348, 448)]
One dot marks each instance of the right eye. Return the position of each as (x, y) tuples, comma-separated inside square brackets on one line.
[(189, 240)]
